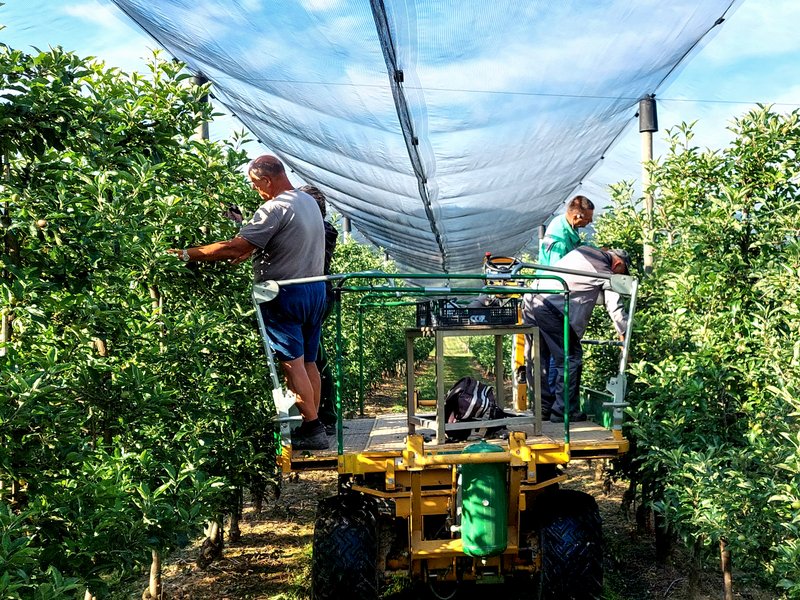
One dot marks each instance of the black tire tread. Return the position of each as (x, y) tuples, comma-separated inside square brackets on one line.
[(571, 538), (344, 562)]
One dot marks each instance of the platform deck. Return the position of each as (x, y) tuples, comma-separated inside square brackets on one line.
[(387, 434)]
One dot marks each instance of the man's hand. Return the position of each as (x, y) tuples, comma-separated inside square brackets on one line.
[(183, 254), (235, 250)]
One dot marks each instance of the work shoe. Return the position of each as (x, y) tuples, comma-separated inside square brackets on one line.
[(315, 439)]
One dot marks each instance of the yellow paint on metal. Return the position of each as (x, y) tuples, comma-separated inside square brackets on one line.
[(286, 458), (518, 360), (452, 548), (530, 487), (390, 480)]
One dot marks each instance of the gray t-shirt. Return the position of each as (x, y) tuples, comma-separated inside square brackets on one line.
[(584, 291), (289, 235)]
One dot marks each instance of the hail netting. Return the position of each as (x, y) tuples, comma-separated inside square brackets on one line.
[(441, 129)]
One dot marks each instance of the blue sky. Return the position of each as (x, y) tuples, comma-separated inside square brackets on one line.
[(754, 57)]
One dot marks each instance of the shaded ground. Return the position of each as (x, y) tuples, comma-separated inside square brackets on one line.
[(273, 559)]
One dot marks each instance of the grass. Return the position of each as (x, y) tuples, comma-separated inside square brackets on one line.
[(458, 362)]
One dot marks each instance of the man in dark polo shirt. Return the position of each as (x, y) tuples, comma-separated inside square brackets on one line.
[(286, 239)]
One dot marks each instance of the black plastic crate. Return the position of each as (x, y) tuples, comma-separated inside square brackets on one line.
[(448, 313)]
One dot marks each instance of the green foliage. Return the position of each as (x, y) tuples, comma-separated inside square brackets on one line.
[(22, 575), (382, 349), (482, 348), (717, 343), (137, 406), (136, 399)]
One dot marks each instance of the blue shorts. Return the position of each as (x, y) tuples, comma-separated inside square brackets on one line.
[(294, 321)]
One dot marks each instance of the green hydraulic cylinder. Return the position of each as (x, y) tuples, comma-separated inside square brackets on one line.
[(484, 504)]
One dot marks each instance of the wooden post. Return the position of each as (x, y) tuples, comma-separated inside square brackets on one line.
[(648, 123)]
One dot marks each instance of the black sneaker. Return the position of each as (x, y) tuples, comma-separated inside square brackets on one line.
[(310, 440)]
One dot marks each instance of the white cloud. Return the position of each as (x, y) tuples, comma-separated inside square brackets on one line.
[(756, 29), (106, 16)]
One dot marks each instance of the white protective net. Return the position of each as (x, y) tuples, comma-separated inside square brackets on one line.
[(443, 129)]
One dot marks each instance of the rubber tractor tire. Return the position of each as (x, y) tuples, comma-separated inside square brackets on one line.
[(571, 542), (344, 563)]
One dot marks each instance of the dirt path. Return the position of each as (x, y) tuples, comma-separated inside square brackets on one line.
[(273, 558)]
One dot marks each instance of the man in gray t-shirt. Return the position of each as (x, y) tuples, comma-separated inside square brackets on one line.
[(289, 237), (286, 238)]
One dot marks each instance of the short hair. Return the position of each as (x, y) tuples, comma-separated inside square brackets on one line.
[(579, 204), (266, 165), (317, 195), (623, 256)]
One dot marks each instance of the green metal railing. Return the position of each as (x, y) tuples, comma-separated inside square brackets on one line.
[(269, 290)]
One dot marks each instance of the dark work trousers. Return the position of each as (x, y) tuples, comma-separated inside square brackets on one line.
[(550, 321), (548, 398), (327, 400), (545, 360)]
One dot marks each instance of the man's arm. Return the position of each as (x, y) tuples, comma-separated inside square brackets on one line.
[(236, 250), (616, 310)]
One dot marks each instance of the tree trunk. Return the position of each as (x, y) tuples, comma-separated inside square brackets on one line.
[(727, 575), (257, 493), (234, 533), (158, 307), (694, 569), (102, 349), (5, 330), (663, 537), (12, 251), (153, 591), (599, 468), (213, 545)]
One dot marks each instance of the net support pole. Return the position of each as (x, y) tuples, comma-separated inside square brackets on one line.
[(202, 129), (648, 124), (346, 229)]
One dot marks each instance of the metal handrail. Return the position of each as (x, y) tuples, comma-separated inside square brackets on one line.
[(623, 284)]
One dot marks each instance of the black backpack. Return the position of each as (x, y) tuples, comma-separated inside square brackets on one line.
[(470, 400)]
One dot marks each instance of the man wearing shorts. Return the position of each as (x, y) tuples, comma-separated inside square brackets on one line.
[(286, 238)]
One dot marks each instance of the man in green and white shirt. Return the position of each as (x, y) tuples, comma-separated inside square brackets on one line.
[(560, 238), (562, 235)]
